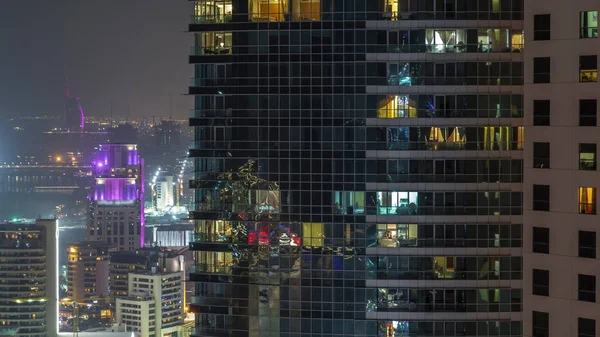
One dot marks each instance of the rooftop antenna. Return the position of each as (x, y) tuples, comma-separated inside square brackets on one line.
[(171, 107)]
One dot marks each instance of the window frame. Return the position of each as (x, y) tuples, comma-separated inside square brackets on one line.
[(541, 112), (540, 282), (587, 118), (542, 33), (541, 155), (540, 204), (540, 246), (542, 71), (588, 250), (586, 288)]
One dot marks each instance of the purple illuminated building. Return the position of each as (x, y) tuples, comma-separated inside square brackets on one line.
[(116, 214)]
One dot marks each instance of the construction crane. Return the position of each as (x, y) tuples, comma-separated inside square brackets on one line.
[(154, 120)]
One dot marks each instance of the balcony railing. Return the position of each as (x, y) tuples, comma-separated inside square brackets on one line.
[(212, 18), (210, 50), (445, 48), (210, 113)]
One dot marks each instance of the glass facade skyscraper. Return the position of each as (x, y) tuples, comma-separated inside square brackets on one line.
[(358, 167)]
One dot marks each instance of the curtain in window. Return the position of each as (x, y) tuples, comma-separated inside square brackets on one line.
[(296, 10), (253, 9)]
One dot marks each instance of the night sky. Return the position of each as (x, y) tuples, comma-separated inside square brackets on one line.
[(130, 52)]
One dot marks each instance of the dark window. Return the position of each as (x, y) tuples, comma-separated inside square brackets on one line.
[(587, 244), (587, 112), (541, 27), (588, 68), (541, 198), (540, 322), (541, 70), (587, 288), (541, 240), (586, 327), (541, 282), (588, 24), (587, 157), (541, 155), (541, 112)]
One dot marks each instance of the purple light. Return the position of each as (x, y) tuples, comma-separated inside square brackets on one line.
[(100, 164)]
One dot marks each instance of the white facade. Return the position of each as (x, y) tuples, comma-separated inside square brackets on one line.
[(154, 306), (165, 196), (561, 170)]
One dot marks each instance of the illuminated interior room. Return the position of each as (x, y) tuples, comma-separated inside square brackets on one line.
[(217, 11), (397, 106), (397, 235), (279, 10)]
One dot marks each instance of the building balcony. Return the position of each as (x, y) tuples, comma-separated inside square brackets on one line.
[(211, 50), (209, 332), (210, 18)]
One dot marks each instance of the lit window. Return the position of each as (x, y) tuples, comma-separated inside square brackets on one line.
[(588, 68), (394, 235), (588, 24), (313, 234), (397, 107), (587, 200), (278, 10), (587, 157)]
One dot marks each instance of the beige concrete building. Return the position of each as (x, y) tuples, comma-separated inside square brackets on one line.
[(154, 307), (561, 178), (87, 273)]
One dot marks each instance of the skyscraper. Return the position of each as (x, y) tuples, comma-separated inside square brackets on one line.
[(29, 279), (560, 275), (358, 167), (87, 273), (116, 214)]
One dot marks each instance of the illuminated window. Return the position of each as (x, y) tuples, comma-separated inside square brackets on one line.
[(587, 157), (268, 10), (313, 234), (588, 24), (279, 10), (306, 10), (587, 200), (401, 203), (349, 202), (397, 107), (588, 68), (217, 11), (396, 235), (214, 43)]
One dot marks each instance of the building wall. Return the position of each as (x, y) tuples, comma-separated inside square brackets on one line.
[(562, 173), (87, 274), (358, 167), (29, 270)]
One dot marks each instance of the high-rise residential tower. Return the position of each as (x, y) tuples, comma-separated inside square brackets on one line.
[(358, 167), (116, 214), (561, 173), (29, 279), (87, 273)]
